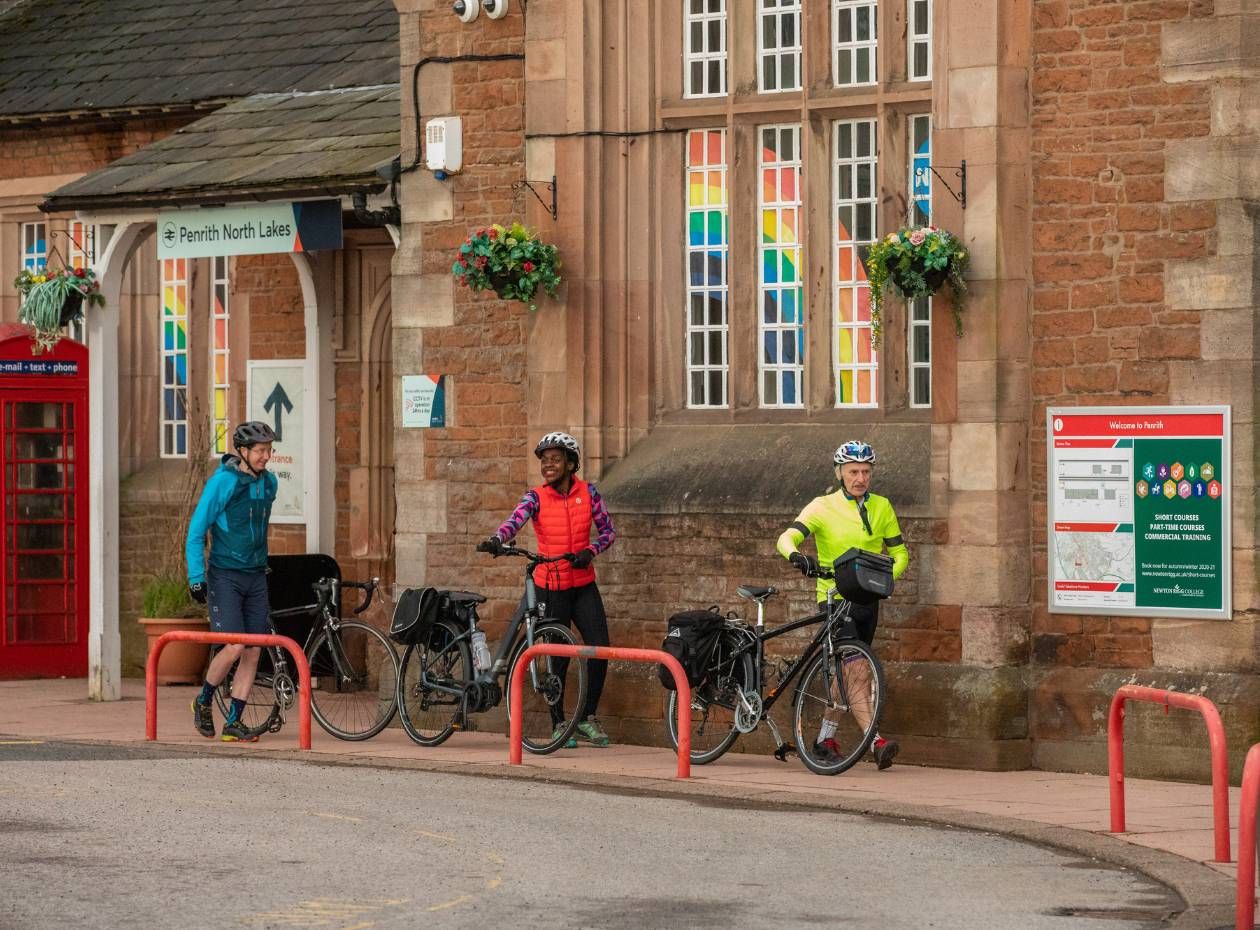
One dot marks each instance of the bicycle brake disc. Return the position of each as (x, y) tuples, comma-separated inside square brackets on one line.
[(748, 711)]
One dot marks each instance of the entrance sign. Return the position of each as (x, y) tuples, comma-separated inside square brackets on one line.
[(423, 401), (257, 229), (276, 397), (1139, 511)]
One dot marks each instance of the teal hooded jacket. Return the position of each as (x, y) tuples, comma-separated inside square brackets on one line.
[(234, 509)]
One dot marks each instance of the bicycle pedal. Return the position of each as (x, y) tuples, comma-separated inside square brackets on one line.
[(784, 751)]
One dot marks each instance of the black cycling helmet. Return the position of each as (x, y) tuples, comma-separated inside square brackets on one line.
[(560, 441), (251, 433)]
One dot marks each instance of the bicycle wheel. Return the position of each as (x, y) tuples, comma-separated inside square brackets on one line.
[(553, 693), (354, 687), (430, 672), (713, 704), (849, 691), (262, 705)]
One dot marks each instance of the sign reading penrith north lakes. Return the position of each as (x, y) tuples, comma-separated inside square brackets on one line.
[(1139, 511), (257, 229)]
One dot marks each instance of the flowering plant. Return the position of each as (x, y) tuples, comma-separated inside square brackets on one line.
[(917, 262), (509, 260), (53, 298)]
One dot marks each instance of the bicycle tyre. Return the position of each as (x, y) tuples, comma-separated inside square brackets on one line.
[(262, 705), (357, 709), (715, 692), (556, 687), (445, 654), (814, 693)]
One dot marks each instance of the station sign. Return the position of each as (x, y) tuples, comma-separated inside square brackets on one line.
[(254, 229)]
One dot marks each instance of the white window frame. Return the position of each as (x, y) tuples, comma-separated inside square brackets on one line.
[(712, 12), (918, 39), (848, 10), (33, 245), (174, 291), (919, 312), (220, 310), (778, 9), (81, 251), (701, 334), (778, 369), (851, 333)]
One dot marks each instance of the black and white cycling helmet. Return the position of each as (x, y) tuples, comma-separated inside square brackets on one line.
[(251, 433), (560, 441), (854, 451)]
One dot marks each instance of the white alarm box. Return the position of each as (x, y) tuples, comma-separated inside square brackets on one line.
[(444, 144)]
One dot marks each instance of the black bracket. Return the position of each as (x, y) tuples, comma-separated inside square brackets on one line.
[(554, 209), (960, 173)]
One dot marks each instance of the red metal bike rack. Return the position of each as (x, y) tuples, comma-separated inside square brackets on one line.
[(517, 687), (1216, 741), (1245, 895), (227, 639)]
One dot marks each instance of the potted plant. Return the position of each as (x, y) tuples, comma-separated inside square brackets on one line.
[(167, 606), (53, 298), (917, 262), (509, 260)]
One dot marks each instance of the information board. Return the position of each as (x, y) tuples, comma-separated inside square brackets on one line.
[(276, 396), (1139, 511)]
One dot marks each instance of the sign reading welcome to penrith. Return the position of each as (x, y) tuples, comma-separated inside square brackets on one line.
[(257, 229)]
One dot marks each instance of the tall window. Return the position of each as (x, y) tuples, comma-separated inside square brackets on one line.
[(856, 41), (707, 252), (80, 253), (705, 65), (919, 37), (856, 161), (174, 437), (779, 45), (919, 341), (34, 245), (782, 326), (220, 384)]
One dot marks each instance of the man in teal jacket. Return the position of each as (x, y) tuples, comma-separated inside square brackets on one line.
[(235, 508)]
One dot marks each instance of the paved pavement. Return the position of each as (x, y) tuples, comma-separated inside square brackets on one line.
[(1170, 826)]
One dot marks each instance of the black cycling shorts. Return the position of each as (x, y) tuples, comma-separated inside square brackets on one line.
[(865, 618)]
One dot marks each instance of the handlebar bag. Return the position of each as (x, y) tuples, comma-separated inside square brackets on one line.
[(692, 637), (414, 616), (863, 577)]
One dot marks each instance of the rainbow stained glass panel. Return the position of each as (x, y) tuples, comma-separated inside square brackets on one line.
[(174, 388), (919, 337), (782, 326), (855, 147), (220, 354), (707, 323)]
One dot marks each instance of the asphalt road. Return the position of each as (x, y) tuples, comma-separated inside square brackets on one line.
[(101, 837)]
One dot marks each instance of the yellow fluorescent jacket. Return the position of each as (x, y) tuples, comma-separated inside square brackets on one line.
[(836, 525)]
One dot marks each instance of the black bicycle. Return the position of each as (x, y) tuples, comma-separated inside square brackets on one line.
[(841, 681), (441, 684), (354, 671)]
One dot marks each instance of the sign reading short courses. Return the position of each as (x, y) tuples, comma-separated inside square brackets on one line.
[(275, 396), (258, 229), (1139, 504)]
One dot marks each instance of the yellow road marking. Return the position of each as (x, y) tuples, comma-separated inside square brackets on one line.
[(335, 816), (362, 926), (437, 836), (323, 912), (21, 742), (494, 883), (460, 900)]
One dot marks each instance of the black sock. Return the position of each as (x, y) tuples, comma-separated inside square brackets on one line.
[(207, 692)]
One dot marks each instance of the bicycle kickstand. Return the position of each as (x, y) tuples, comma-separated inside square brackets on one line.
[(784, 750)]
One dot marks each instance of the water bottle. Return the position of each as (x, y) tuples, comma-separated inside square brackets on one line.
[(480, 651)]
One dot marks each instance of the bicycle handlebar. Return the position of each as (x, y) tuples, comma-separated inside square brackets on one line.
[(534, 557), (367, 587)]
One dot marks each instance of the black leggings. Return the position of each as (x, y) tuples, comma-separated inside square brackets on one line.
[(865, 617), (584, 608)]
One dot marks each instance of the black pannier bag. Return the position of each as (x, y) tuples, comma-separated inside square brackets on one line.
[(863, 577), (414, 616), (692, 637)]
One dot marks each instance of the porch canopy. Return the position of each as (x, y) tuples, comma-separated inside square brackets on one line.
[(265, 147)]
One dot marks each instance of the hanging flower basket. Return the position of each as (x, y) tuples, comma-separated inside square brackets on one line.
[(509, 260), (917, 263), (55, 298)]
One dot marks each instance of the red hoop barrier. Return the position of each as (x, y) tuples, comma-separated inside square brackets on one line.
[(517, 687), (227, 639), (1216, 741), (1245, 895)]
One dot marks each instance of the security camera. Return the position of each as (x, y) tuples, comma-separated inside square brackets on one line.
[(495, 9), (466, 10)]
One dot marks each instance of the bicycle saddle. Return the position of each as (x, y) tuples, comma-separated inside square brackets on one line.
[(756, 592), (464, 597)]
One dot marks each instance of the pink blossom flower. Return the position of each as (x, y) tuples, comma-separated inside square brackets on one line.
[(917, 237)]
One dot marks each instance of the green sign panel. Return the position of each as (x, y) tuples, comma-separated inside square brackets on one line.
[(1139, 503)]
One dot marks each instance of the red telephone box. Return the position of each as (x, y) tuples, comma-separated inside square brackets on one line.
[(44, 488)]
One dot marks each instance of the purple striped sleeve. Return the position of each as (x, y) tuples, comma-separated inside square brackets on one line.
[(525, 511), (604, 532)]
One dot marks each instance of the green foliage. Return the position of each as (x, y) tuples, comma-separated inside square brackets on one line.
[(511, 261), (167, 596), (54, 297), (916, 262)]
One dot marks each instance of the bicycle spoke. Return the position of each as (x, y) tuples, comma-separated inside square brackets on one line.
[(354, 697)]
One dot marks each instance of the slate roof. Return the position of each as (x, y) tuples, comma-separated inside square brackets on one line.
[(267, 145), (65, 56)]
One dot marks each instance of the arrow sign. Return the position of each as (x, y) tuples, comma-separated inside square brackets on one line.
[(278, 400)]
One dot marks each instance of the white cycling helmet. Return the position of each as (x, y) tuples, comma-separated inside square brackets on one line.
[(560, 441), (854, 451)]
